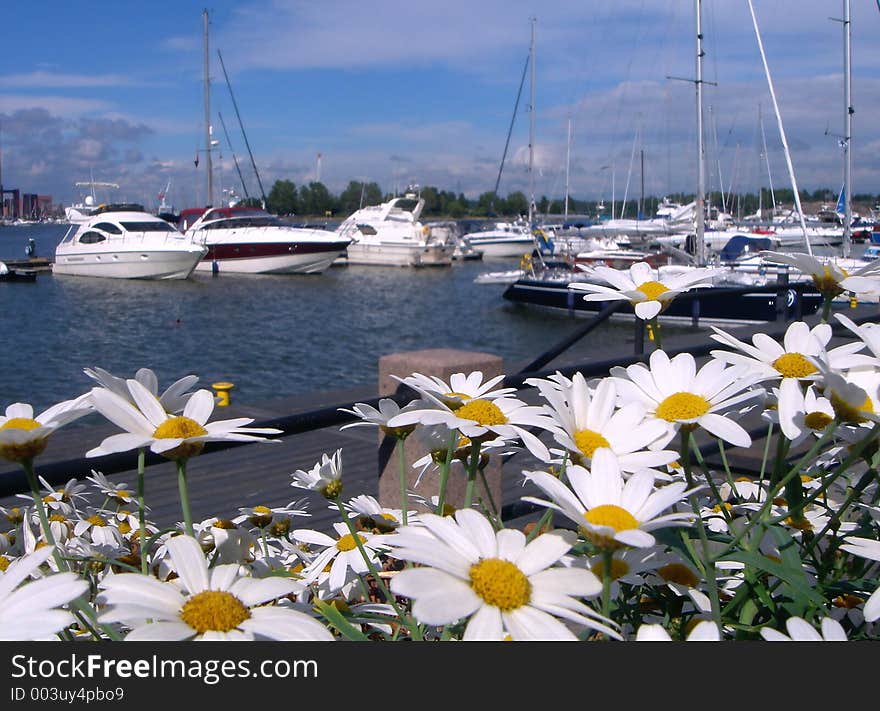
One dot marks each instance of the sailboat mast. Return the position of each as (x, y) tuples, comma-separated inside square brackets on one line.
[(767, 161), (847, 130), (208, 165), (567, 166), (797, 197), (699, 239), (532, 128)]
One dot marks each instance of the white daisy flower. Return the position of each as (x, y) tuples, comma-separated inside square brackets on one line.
[(23, 436), (173, 399), (340, 553), (829, 278), (610, 511), (676, 393), (325, 477), (794, 357), (30, 610), (854, 394), (98, 528), (202, 604), (503, 585), (373, 514), (460, 389), (866, 548), (119, 493), (589, 419), (869, 333), (486, 419), (369, 415), (703, 631), (802, 412), (799, 630), (642, 286), (148, 424)]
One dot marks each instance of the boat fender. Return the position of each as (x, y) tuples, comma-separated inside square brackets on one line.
[(853, 300), (525, 263)]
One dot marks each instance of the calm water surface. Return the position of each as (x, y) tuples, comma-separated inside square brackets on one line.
[(270, 335)]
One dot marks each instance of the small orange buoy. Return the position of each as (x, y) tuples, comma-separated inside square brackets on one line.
[(222, 389)]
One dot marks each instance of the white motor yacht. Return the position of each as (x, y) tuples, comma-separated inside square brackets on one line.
[(390, 234), (248, 240), (126, 242), (503, 240)]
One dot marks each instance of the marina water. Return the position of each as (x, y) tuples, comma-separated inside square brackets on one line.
[(272, 336)]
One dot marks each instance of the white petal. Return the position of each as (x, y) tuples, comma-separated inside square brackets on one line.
[(543, 551), (200, 406), (530, 624), (189, 563), (284, 625), (439, 597), (161, 632), (485, 626)]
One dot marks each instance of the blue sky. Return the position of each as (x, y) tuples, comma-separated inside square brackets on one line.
[(414, 92)]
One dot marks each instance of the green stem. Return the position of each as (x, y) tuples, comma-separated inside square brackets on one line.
[(84, 612), (655, 327), (546, 518), (142, 520), (389, 596), (401, 460), (444, 472), (826, 308), (709, 565), (28, 466), (184, 497), (473, 465), (607, 561)]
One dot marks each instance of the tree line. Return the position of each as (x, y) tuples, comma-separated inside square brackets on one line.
[(314, 199)]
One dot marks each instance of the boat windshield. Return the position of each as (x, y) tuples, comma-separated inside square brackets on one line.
[(243, 221), (159, 226)]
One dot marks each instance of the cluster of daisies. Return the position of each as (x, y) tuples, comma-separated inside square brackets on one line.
[(642, 525)]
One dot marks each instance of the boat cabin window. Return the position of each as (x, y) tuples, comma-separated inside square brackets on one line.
[(158, 226), (91, 237), (367, 229), (108, 227)]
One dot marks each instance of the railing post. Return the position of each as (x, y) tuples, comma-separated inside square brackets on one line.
[(782, 293), (639, 338), (440, 362)]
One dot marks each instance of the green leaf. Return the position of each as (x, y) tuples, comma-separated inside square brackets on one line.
[(794, 579), (337, 620)]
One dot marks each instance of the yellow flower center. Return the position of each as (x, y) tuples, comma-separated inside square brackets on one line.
[(717, 508), (588, 442), (388, 517), (225, 524), (122, 494), (4, 563), (846, 412), (612, 516), (827, 283), (57, 518), (27, 450), (817, 421), (96, 520), (348, 542), (847, 601), (678, 573), (793, 365), (214, 611), (20, 423), (652, 289), (619, 568), (262, 510), (124, 528), (179, 428), (501, 584), (482, 411), (682, 407), (333, 489)]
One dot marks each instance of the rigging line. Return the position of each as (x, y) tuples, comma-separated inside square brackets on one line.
[(241, 125), (232, 150), (509, 132)]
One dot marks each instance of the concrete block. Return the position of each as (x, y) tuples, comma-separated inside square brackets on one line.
[(440, 362)]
